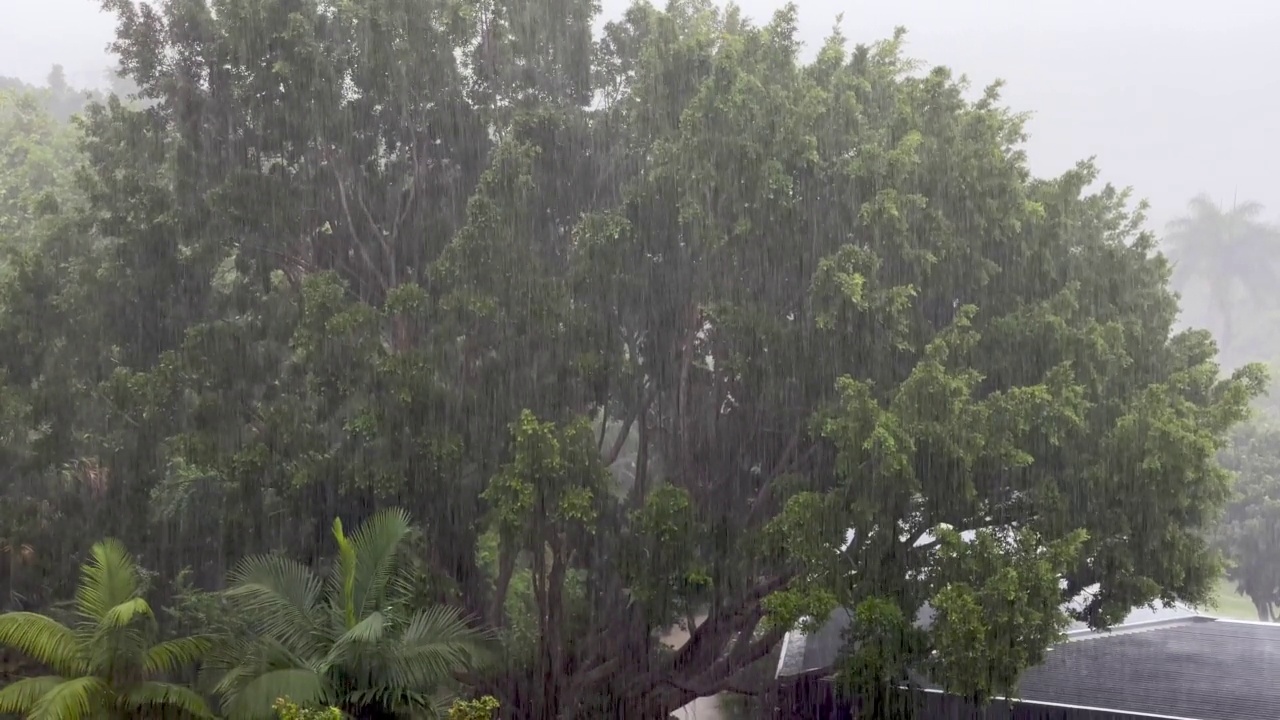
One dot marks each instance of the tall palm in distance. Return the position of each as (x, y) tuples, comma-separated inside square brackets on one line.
[(357, 641), (1232, 252), (106, 666)]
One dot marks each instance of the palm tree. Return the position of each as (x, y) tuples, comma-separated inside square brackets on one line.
[(1228, 250), (106, 664), (354, 642)]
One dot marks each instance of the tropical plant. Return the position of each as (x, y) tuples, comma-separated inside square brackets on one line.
[(106, 664), (1230, 251), (356, 643), (289, 710), (482, 708)]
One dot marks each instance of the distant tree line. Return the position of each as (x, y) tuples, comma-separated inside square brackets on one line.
[(61, 99)]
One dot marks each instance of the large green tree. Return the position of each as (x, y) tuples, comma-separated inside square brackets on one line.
[(108, 664), (38, 163), (392, 252)]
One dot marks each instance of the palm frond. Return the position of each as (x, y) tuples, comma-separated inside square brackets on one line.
[(172, 655), (343, 583), (153, 699), (43, 639), (1247, 210), (436, 643), (120, 637), (109, 578), (377, 544), (281, 596), (253, 701), (1203, 206), (20, 697), (359, 637), (242, 661), (110, 649), (401, 702), (83, 698), (126, 615), (225, 675), (223, 666)]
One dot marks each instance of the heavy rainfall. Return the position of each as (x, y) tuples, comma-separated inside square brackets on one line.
[(544, 360)]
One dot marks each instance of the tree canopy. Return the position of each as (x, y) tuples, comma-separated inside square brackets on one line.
[(37, 166), (668, 324)]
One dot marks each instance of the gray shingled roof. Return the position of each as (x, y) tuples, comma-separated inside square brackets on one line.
[(1205, 669), (804, 653), (1170, 663)]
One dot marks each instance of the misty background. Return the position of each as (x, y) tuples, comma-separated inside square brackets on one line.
[(1173, 97)]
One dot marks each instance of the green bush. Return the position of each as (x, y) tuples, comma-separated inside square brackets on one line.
[(483, 708), (288, 710)]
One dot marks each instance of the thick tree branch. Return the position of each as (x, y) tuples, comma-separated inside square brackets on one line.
[(408, 204), (621, 441), (374, 269), (507, 556), (708, 641), (718, 678), (756, 513)]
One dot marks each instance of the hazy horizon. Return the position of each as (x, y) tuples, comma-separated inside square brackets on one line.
[(1170, 102)]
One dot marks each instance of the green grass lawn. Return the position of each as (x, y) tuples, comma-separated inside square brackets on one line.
[(1228, 604)]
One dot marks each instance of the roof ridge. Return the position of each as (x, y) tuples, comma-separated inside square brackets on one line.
[(1138, 627), (1242, 621)]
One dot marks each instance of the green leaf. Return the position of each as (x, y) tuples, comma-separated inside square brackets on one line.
[(281, 598), (125, 614), (345, 574), (85, 698), (357, 638), (377, 545), (172, 655), (42, 639), (20, 697), (255, 700), (160, 699), (108, 580), (437, 642)]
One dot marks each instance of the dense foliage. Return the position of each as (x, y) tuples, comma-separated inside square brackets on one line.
[(663, 325), (1251, 527), (37, 165)]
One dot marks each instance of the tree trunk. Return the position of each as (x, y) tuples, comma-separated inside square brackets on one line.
[(1264, 611)]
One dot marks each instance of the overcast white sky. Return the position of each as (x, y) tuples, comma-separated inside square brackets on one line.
[(1173, 96)]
